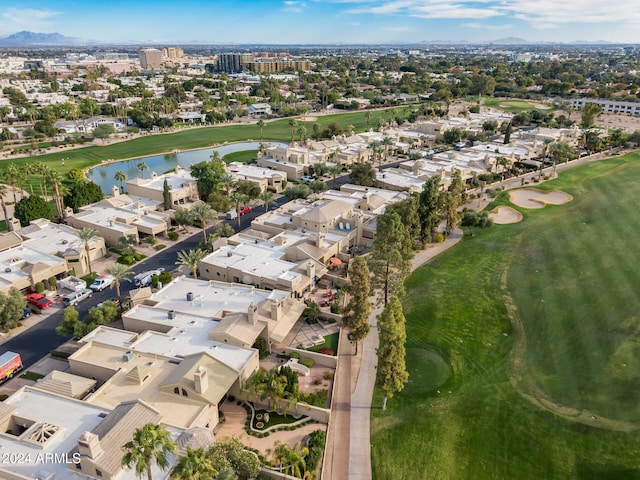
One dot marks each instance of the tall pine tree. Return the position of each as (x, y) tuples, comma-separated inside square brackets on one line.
[(392, 372), (390, 255), (356, 313)]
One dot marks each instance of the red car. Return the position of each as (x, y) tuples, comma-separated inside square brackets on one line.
[(38, 300), (244, 210)]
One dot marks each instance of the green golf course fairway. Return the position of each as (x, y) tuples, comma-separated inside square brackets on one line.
[(539, 321)]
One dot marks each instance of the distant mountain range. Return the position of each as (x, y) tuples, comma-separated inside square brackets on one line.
[(32, 39)]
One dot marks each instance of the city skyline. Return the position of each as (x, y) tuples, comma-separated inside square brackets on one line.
[(325, 22)]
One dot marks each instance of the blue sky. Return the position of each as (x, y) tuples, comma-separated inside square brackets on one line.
[(324, 21)]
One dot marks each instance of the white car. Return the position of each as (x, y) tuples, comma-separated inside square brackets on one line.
[(144, 279), (101, 283), (306, 178), (74, 298)]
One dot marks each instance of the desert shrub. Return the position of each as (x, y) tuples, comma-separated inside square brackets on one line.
[(126, 259), (52, 282), (45, 282), (307, 362), (335, 307), (294, 355), (39, 287), (173, 236), (152, 240), (164, 277), (139, 256), (328, 375), (159, 247)]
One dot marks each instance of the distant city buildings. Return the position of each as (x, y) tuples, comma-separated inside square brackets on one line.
[(150, 58)]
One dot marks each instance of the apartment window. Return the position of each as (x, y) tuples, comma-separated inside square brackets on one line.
[(98, 473), (176, 391), (184, 393)]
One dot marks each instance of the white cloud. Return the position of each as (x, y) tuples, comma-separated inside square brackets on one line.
[(28, 18), (536, 12), (294, 6), (484, 26)]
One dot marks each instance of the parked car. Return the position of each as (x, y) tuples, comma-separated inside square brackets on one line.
[(74, 298), (38, 300), (306, 178), (144, 279), (101, 283), (244, 209), (25, 313)]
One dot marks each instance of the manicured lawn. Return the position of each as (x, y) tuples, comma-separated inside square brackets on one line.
[(31, 376), (514, 106), (330, 341), (562, 400), (246, 156)]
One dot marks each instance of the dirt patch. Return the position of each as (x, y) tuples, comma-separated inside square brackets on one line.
[(532, 198), (505, 215)]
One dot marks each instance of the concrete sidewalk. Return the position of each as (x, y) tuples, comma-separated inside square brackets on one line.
[(349, 455)]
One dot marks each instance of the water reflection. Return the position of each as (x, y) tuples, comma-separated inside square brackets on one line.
[(103, 175)]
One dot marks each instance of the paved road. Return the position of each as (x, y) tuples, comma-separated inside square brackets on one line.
[(41, 338)]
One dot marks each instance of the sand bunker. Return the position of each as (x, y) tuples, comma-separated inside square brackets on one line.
[(532, 198), (505, 215)]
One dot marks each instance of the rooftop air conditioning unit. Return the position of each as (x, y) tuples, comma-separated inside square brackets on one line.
[(189, 296), (171, 314), (127, 356), (7, 270), (64, 242), (229, 254)]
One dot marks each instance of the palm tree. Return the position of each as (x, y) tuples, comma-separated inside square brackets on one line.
[(293, 123), (195, 465), (376, 148), (260, 125), (191, 260), (3, 192), (150, 443), (41, 170), (120, 273), (367, 116), (203, 212), (120, 176), (302, 133), (86, 236), (13, 178), (266, 198), (227, 180), (238, 198), (386, 142), (142, 167), (59, 191), (335, 170)]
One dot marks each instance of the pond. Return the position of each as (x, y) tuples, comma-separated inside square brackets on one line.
[(103, 174)]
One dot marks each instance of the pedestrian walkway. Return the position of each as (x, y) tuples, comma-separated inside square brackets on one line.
[(349, 455)]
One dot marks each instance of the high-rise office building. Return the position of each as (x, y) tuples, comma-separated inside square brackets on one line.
[(150, 58)]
